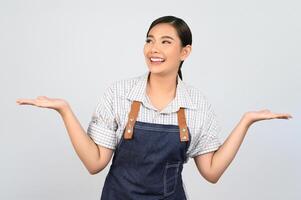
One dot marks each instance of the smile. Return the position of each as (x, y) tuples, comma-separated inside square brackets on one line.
[(156, 60)]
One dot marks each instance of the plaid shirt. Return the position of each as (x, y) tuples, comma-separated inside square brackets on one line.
[(111, 113)]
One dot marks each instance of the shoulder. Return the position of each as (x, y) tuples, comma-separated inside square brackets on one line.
[(197, 96), (122, 87)]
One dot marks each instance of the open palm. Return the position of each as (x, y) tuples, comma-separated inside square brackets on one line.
[(44, 102), (266, 115)]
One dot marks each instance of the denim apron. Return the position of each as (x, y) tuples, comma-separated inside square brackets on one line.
[(148, 160)]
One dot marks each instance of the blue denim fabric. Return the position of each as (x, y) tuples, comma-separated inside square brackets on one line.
[(148, 166)]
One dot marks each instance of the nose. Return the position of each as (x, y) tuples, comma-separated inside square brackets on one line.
[(154, 48)]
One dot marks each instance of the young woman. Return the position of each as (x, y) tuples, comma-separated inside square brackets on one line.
[(153, 123)]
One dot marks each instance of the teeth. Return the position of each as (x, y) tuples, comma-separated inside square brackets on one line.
[(157, 59)]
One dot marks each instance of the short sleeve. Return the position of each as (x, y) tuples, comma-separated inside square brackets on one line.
[(102, 127), (208, 140)]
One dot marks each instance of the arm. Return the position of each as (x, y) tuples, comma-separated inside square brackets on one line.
[(94, 157), (212, 165)]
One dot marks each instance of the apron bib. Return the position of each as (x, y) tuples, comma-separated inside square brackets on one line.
[(148, 161)]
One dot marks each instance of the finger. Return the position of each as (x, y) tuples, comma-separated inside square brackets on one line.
[(26, 101), (283, 116), (288, 115), (21, 100), (42, 97)]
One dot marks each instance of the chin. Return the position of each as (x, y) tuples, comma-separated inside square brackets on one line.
[(155, 70)]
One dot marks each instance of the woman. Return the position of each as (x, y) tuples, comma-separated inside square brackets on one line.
[(153, 123)]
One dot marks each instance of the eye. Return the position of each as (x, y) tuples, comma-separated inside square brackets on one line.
[(166, 42), (147, 40)]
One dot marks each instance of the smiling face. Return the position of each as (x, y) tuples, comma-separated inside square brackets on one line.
[(163, 49)]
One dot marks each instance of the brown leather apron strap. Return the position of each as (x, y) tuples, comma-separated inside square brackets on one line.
[(128, 134), (132, 117), (184, 136)]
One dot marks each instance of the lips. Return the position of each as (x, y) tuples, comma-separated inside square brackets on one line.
[(157, 60)]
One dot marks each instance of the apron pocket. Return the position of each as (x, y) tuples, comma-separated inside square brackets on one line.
[(170, 177)]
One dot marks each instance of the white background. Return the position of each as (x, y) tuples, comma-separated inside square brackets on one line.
[(246, 56)]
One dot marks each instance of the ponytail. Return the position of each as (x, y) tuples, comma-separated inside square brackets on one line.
[(179, 70)]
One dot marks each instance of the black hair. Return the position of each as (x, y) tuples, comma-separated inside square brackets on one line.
[(182, 29)]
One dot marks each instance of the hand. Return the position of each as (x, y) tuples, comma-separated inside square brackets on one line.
[(265, 114), (45, 102)]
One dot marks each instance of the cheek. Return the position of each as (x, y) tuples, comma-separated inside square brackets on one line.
[(174, 54), (145, 50)]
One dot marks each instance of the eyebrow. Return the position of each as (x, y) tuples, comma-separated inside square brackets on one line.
[(165, 36)]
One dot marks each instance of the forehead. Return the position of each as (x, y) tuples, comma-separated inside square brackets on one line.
[(163, 29)]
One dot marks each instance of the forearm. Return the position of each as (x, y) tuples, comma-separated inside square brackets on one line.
[(222, 158), (84, 146)]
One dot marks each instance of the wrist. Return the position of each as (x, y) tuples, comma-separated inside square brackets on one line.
[(246, 119), (64, 109)]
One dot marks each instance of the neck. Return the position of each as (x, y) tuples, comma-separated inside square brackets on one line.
[(162, 85)]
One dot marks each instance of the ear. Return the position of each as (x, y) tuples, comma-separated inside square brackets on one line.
[(185, 52)]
